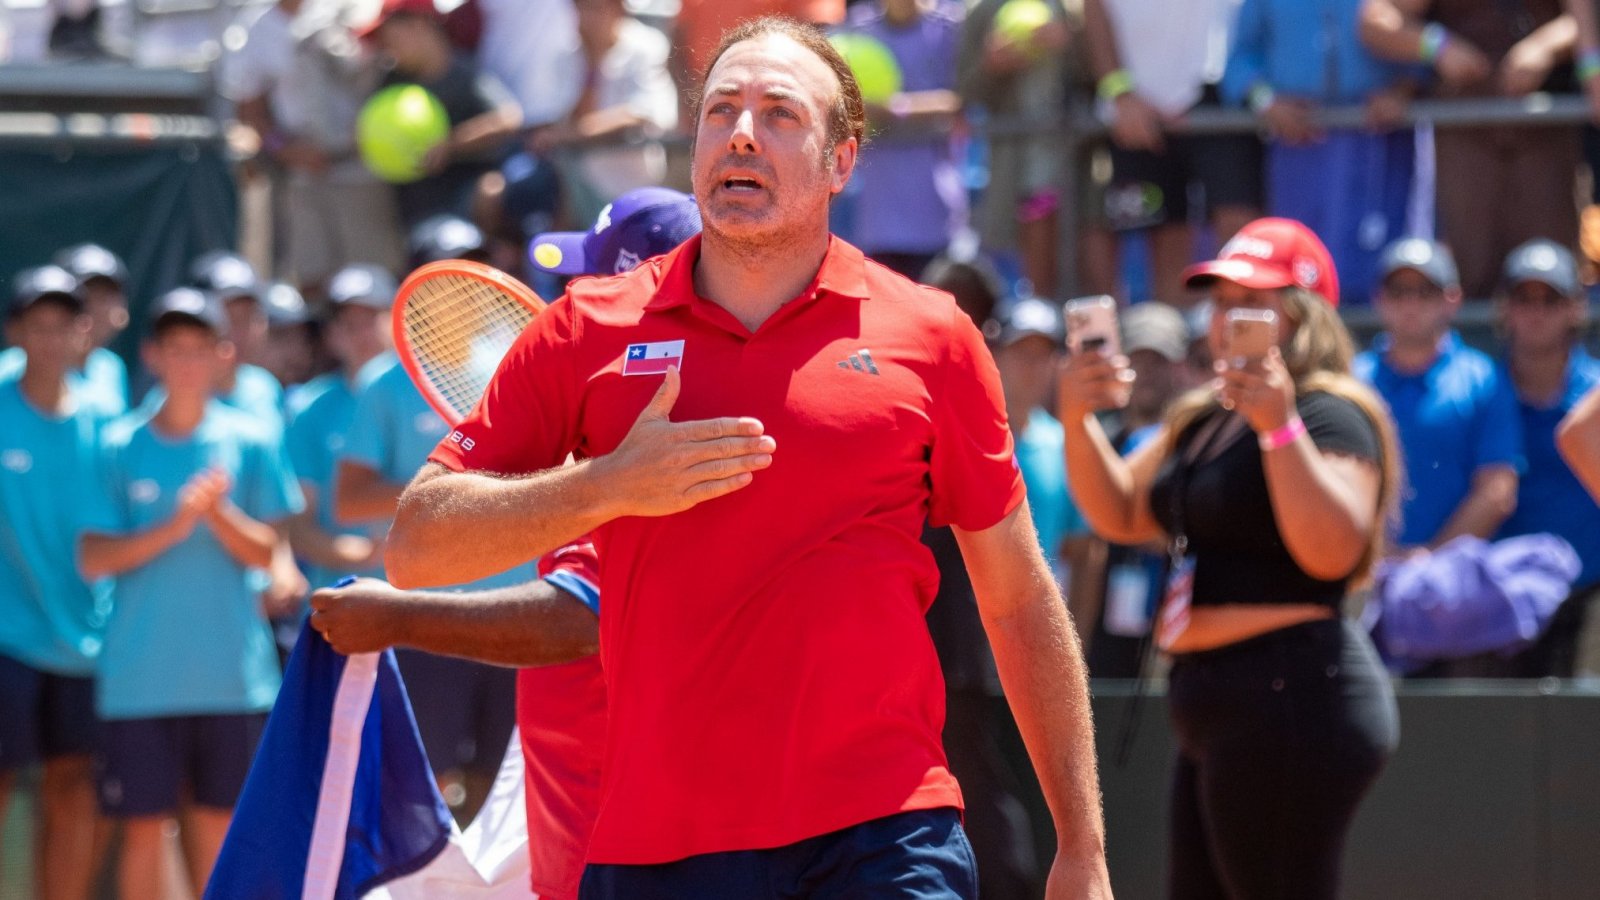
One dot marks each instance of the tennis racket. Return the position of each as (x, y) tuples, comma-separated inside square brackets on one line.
[(454, 320)]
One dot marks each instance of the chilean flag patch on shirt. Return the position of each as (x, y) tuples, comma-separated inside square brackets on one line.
[(652, 358)]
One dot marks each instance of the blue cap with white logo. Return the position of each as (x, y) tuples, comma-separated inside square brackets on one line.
[(636, 226)]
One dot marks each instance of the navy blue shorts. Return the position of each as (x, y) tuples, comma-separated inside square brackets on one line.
[(147, 766), (465, 710), (43, 715), (922, 855)]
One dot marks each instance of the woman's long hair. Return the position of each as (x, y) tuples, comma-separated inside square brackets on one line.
[(1318, 358)]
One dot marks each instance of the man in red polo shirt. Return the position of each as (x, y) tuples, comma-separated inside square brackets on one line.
[(764, 420)]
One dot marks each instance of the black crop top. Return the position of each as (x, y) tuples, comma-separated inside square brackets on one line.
[(1238, 554)]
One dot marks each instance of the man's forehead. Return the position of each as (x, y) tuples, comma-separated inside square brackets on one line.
[(774, 61)]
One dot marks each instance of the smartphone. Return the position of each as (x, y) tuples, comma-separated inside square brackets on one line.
[(1092, 325), (1251, 333)]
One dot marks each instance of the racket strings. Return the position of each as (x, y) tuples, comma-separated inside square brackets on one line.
[(458, 329)]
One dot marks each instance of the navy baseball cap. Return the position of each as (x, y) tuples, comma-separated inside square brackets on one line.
[(636, 226), (445, 237), (226, 274), (1546, 262), (53, 283), (363, 284), (1030, 317), (89, 261), (187, 304), (284, 305), (1430, 259)]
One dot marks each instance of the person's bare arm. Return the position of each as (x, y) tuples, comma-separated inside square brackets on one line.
[(249, 541), (1578, 439), (1393, 30), (1325, 504), (101, 555), (1041, 669), (1112, 492), (1528, 63), (362, 494), (340, 552), (1492, 500), (532, 624), (454, 527), (485, 131)]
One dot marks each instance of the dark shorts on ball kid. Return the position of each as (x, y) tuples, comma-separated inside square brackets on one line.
[(43, 715), (919, 855), (148, 766)]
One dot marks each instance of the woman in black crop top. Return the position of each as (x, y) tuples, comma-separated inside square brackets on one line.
[(1272, 485)]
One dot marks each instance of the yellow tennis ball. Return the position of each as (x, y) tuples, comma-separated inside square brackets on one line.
[(1019, 20), (876, 70), (396, 129), (547, 255)]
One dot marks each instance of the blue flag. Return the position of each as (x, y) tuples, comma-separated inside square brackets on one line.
[(340, 798)]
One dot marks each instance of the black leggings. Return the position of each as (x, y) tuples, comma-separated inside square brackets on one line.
[(1278, 739)]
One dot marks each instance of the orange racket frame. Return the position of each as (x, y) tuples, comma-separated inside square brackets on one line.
[(506, 286)]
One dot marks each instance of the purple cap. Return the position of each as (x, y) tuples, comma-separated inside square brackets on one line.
[(636, 226)]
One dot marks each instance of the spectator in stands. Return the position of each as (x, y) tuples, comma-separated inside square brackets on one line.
[(1153, 63), (1543, 314), (1022, 201), (911, 200), (100, 378), (319, 418), (290, 350), (628, 99), (1453, 408), (241, 382), (1126, 585), (464, 709), (299, 81), (1271, 488), (700, 24), (1350, 186), (51, 622), (484, 116), (1497, 187), (969, 277), (194, 495), (531, 47), (446, 237)]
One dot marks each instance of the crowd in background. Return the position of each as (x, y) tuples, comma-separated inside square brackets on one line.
[(558, 107)]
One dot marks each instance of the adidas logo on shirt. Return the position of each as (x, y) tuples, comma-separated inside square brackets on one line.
[(861, 361)]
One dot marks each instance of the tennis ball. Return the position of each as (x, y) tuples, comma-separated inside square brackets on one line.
[(396, 129), (1018, 21), (877, 73)]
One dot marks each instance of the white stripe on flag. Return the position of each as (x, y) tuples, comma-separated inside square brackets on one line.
[(325, 856)]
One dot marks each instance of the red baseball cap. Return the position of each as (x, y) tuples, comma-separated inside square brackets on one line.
[(1272, 253), (392, 8)]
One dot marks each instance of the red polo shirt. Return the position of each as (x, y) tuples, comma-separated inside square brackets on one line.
[(769, 671)]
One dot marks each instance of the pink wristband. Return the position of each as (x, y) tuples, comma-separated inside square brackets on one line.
[(1284, 436)]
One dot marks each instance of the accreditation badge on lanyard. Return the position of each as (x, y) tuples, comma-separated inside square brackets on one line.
[(1174, 617)]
